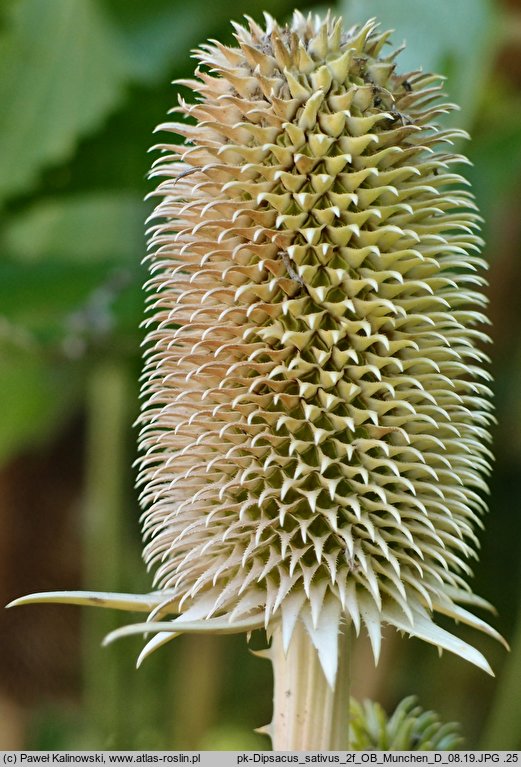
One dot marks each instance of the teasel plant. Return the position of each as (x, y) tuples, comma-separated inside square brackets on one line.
[(315, 429)]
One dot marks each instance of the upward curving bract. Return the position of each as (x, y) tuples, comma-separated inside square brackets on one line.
[(316, 411)]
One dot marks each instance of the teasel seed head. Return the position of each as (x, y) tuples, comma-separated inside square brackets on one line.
[(315, 428)]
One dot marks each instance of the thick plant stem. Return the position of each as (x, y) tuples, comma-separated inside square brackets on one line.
[(308, 715)]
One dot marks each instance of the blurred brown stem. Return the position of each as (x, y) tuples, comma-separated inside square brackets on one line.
[(511, 28)]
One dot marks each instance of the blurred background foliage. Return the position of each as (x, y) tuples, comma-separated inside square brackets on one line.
[(82, 85)]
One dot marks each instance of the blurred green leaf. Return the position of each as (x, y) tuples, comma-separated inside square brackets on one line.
[(71, 276), (5, 8), (153, 33), (66, 307), (40, 297), (116, 158), (160, 33), (36, 399), (455, 39), (101, 226), (496, 153), (227, 737), (61, 73)]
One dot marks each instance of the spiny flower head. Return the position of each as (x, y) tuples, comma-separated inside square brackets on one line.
[(316, 410), (314, 433)]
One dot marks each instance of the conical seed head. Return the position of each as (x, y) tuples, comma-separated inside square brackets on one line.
[(316, 413)]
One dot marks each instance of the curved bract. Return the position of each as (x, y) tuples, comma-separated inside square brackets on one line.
[(315, 423)]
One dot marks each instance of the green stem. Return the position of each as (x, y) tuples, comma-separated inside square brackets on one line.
[(108, 420), (196, 689), (502, 730), (308, 715)]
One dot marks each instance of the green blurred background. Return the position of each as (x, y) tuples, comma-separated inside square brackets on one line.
[(82, 85)]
